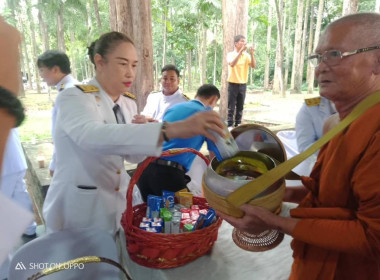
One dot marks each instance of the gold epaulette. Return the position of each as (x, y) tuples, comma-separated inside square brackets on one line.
[(313, 101), (130, 95), (62, 87), (186, 97), (87, 88)]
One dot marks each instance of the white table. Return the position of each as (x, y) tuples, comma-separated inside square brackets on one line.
[(227, 261)]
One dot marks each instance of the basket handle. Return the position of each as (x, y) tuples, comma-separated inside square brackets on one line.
[(144, 164), (81, 260)]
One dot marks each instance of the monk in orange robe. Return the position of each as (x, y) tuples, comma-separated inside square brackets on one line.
[(336, 228)]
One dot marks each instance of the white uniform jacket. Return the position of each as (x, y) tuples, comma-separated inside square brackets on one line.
[(309, 123), (14, 159), (157, 104), (90, 182), (67, 82)]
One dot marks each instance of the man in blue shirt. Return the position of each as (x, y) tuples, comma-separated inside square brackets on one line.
[(168, 173)]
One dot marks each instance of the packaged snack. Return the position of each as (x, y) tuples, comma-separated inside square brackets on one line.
[(185, 216), (186, 199), (203, 211), (185, 222), (144, 226), (194, 207), (175, 225), (210, 218), (147, 220), (166, 215), (153, 204), (157, 219), (176, 194), (199, 222), (179, 207), (157, 226), (168, 199), (152, 230), (188, 228), (194, 215)]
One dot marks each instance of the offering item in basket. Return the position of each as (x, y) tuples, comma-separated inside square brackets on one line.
[(160, 250), (223, 178)]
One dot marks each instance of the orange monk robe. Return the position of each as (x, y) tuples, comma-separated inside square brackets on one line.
[(338, 236)]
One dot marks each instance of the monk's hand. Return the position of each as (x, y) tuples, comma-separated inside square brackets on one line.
[(198, 124), (137, 119), (255, 219)]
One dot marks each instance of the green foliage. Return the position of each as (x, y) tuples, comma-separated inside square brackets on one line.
[(183, 21)]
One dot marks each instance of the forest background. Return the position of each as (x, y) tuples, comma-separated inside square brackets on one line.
[(194, 35)]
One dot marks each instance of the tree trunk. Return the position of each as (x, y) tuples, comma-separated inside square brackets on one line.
[(43, 29), (350, 7), (97, 15), (251, 70), (25, 51), (189, 66), (165, 32), (135, 18), (158, 76), (303, 47), (34, 44), (21, 92), (316, 39), (310, 70), (73, 62), (268, 47), (278, 82), (288, 43), (214, 71), (60, 30), (295, 84), (203, 54), (232, 26)]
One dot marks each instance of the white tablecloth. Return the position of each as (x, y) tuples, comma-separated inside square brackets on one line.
[(227, 261)]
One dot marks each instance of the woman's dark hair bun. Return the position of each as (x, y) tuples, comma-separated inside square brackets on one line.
[(91, 51)]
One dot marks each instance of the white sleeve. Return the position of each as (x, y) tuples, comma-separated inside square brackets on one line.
[(305, 131), (82, 122), (150, 106)]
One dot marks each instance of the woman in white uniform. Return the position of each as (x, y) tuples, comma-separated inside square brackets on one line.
[(89, 186)]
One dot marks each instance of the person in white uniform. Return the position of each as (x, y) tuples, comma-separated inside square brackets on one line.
[(89, 186), (54, 67), (12, 182), (308, 129), (159, 102), (310, 120)]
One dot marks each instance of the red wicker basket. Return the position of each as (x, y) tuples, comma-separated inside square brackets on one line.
[(159, 250)]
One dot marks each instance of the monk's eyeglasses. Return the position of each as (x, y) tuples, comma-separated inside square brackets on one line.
[(334, 57)]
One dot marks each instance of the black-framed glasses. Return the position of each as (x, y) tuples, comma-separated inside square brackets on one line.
[(334, 57)]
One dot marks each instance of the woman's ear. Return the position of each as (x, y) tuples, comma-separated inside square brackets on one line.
[(99, 61)]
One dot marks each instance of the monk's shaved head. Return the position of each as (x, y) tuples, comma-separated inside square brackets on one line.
[(367, 26)]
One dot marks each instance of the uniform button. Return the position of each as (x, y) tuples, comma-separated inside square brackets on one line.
[(117, 189), (118, 172)]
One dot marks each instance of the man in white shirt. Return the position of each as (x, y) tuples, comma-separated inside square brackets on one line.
[(159, 102), (54, 67)]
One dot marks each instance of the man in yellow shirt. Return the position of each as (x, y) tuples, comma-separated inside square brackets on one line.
[(238, 64)]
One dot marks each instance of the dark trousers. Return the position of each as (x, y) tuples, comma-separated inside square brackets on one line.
[(156, 178), (236, 97)]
